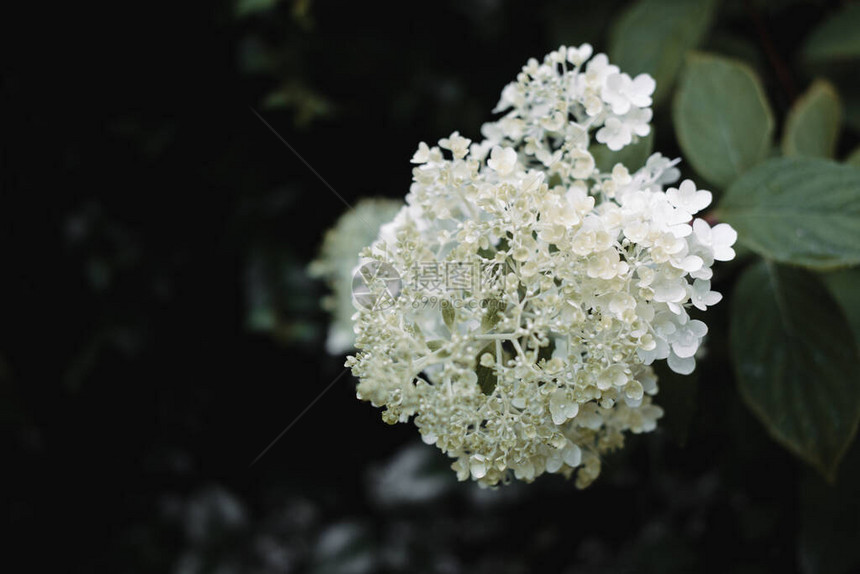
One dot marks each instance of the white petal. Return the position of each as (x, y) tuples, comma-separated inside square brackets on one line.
[(572, 455), (682, 366)]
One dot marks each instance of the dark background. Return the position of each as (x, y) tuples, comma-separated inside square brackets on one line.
[(159, 331)]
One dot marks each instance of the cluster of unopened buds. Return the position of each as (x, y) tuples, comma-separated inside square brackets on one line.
[(586, 278)]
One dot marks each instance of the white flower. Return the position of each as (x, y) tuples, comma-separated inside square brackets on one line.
[(615, 134), (638, 121), (598, 70), (618, 132), (577, 56), (583, 164), (546, 366), (562, 407), (458, 145), (686, 339), (480, 150), (338, 258), (661, 170), (511, 96), (478, 466), (570, 455), (687, 198), (701, 295), (719, 239), (622, 93), (682, 366), (503, 160), (422, 155)]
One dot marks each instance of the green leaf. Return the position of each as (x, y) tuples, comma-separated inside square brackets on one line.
[(796, 363), (800, 211), (487, 379), (733, 44), (632, 156), (449, 314), (812, 127), (722, 118), (844, 286), (853, 157), (435, 344), (836, 38), (653, 36), (491, 314)]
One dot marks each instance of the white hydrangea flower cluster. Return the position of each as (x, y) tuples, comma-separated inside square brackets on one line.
[(544, 368), (337, 260)]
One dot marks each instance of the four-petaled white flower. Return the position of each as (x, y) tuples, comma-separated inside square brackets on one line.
[(719, 238), (615, 134), (622, 93), (687, 198), (562, 407), (701, 295)]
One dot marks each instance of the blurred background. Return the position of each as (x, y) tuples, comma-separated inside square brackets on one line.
[(160, 330)]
